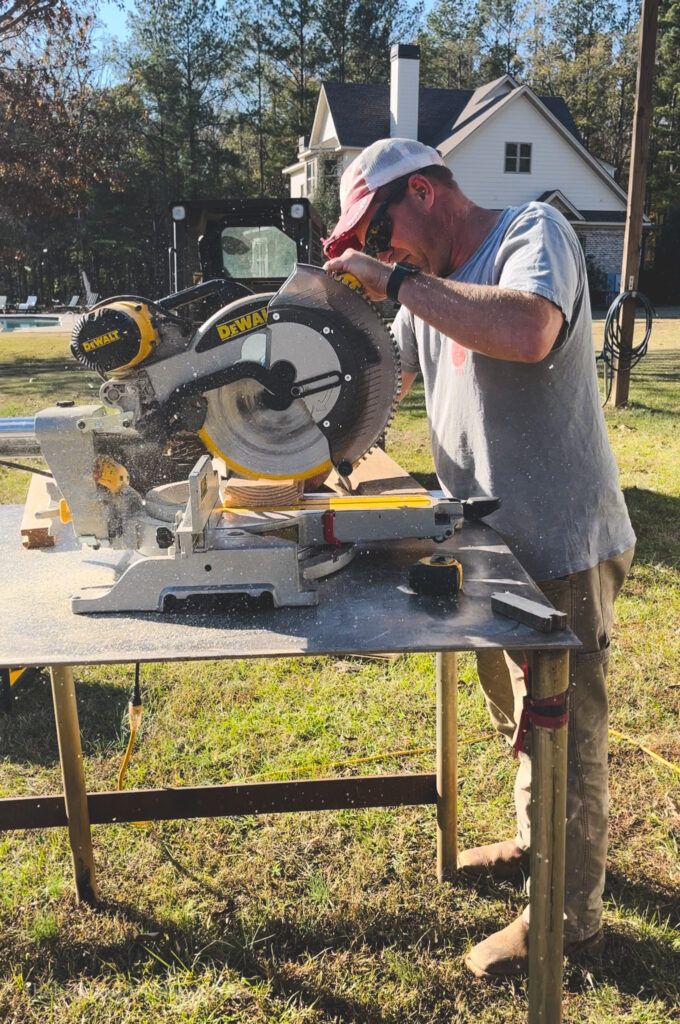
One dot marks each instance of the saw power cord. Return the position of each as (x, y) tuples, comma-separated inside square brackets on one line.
[(613, 356)]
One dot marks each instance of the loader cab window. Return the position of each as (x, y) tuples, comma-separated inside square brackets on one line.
[(252, 252)]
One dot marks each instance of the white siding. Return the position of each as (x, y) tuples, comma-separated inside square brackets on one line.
[(323, 129), (326, 135), (478, 163), (298, 181)]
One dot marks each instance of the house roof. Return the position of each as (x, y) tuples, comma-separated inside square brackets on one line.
[(608, 216), (361, 113), (556, 197)]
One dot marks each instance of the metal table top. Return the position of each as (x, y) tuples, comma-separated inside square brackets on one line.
[(363, 608)]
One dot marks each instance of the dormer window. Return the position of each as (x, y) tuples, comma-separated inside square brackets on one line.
[(518, 158)]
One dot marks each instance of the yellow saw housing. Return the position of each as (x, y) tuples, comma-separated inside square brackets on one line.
[(115, 337)]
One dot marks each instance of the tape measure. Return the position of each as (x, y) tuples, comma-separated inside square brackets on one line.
[(437, 574)]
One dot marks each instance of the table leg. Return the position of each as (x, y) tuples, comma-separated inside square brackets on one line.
[(550, 677), (5, 691), (447, 765), (75, 793)]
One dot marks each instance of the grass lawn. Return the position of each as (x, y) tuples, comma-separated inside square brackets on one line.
[(337, 917)]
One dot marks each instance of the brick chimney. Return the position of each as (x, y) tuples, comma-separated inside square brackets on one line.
[(404, 75)]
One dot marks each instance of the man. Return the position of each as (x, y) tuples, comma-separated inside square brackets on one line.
[(496, 315)]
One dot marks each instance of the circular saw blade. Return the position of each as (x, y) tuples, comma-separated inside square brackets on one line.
[(343, 367)]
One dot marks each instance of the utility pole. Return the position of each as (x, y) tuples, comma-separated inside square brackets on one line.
[(632, 242)]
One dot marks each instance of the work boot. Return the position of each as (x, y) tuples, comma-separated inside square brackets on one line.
[(505, 954), (500, 860)]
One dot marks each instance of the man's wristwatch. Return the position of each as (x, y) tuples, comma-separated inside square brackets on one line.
[(400, 271)]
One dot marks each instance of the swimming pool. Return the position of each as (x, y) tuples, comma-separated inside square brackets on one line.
[(18, 323)]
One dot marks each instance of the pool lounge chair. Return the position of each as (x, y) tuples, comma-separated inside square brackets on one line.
[(91, 299), (30, 303), (72, 306)]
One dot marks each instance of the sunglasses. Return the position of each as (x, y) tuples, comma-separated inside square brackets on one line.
[(379, 231)]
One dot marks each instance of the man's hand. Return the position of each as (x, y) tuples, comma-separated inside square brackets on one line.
[(372, 274)]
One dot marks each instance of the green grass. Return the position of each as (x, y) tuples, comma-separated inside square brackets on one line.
[(336, 917)]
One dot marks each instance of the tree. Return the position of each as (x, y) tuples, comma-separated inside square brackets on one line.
[(51, 142), (20, 16), (450, 47), (255, 82), (296, 47), (358, 35), (56, 147), (326, 197), (179, 58), (500, 29), (577, 63), (665, 135)]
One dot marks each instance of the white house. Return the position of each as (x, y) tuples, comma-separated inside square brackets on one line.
[(504, 144)]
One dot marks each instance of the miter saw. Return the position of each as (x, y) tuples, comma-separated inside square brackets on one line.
[(287, 388)]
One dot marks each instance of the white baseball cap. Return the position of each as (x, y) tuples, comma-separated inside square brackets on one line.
[(377, 165)]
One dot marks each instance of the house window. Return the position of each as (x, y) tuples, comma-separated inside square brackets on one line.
[(518, 157), (311, 177)]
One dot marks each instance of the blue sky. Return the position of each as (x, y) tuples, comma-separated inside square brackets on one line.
[(112, 18)]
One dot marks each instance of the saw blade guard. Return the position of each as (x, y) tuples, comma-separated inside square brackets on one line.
[(313, 387), (366, 351)]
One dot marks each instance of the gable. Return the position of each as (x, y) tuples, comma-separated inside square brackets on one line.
[(557, 198), (323, 131), (557, 163)]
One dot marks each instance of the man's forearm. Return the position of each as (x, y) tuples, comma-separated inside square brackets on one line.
[(498, 322)]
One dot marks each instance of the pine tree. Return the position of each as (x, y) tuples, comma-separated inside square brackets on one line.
[(449, 46)]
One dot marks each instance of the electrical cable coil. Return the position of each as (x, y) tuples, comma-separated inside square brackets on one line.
[(613, 356)]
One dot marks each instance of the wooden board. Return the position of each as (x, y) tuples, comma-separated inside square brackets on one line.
[(35, 522)]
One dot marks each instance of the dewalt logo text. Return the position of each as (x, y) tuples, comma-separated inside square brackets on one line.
[(242, 324), (103, 339)]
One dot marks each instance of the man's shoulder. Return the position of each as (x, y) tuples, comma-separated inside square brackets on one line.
[(535, 212)]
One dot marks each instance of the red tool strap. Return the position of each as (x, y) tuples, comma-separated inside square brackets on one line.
[(546, 712)]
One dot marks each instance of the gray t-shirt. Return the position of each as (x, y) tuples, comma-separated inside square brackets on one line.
[(533, 434)]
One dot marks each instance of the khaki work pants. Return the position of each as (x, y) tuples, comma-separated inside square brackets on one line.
[(588, 600)]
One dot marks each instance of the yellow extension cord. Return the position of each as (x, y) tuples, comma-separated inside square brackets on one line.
[(136, 714), (135, 718), (651, 753)]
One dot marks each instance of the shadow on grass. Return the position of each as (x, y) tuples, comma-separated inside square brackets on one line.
[(646, 899), (642, 967), (270, 950), (656, 521), (635, 962), (278, 953), (28, 733)]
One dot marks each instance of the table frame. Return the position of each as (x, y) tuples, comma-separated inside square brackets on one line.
[(549, 658)]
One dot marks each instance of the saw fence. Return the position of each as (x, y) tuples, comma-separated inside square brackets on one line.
[(365, 608)]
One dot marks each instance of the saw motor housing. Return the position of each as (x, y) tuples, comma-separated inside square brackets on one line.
[(115, 337)]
